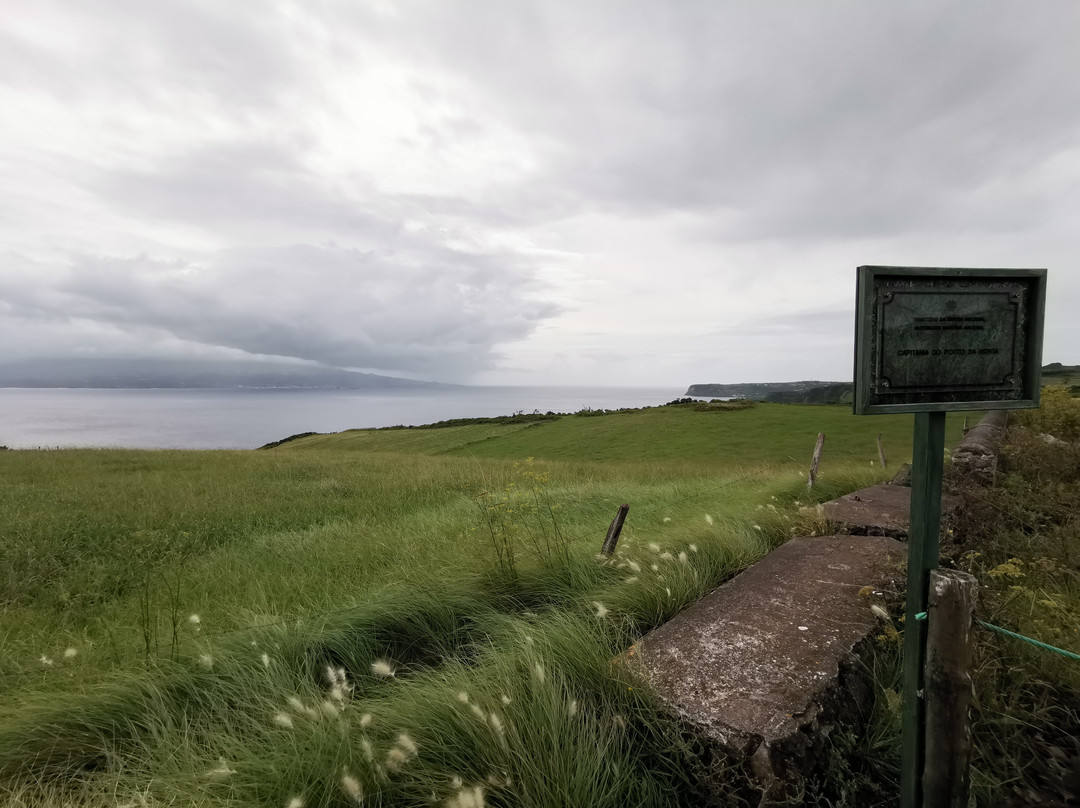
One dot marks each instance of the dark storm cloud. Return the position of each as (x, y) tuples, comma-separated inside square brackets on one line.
[(438, 314)]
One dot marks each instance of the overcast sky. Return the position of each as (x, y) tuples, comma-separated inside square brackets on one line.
[(511, 192)]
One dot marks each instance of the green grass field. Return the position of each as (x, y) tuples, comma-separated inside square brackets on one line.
[(414, 616)]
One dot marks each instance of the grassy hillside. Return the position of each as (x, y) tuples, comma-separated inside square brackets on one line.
[(417, 616), (763, 434)]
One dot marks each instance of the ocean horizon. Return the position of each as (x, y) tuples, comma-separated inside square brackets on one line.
[(246, 418)]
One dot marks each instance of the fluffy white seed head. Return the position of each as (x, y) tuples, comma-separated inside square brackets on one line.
[(601, 609), (351, 786), (407, 743), (395, 758), (382, 668), (223, 769), (329, 708)]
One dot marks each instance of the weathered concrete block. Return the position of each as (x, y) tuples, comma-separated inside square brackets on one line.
[(975, 457), (881, 510), (755, 666)]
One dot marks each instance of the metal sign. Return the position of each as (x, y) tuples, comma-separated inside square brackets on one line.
[(936, 339)]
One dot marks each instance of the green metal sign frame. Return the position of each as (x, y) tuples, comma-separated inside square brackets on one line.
[(929, 340), (934, 339)]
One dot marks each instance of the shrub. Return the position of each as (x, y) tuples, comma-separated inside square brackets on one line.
[(1058, 415)]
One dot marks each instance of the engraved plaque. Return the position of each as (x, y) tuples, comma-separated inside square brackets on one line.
[(948, 339)]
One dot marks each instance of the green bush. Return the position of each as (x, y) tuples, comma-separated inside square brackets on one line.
[(1058, 415)]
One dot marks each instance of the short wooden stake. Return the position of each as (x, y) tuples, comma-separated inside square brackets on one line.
[(950, 626), (965, 430), (613, 532), (881, 452), (816, 459)]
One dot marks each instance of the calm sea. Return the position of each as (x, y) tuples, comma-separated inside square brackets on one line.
[(246, 419)]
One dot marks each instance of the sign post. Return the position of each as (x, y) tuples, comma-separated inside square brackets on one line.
[(929, 340)]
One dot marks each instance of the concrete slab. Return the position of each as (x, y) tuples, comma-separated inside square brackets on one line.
[(754, 665), (881, 510)]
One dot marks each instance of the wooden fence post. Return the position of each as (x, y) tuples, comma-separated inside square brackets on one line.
[(613, 532), (881, 452), (816, 459), (950, 626)]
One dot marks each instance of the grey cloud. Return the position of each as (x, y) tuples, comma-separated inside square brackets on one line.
[(147, 51), (439, 315), (792, 121), (248, 189), (795, 325)]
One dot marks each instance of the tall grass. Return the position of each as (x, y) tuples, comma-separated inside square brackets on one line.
[(318, 624)]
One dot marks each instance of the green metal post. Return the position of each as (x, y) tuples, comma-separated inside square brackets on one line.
[(926, 473)]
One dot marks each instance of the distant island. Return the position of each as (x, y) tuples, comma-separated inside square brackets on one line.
[(194, 373)]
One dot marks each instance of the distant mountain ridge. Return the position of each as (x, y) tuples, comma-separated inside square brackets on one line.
[(193, 373)]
